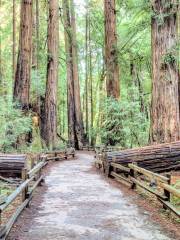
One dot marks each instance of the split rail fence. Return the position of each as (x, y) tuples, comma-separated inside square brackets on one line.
[(31, 179), (135, 173)]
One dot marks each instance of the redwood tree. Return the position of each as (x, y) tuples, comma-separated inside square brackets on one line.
[(35, 50), (69, 68), (111, 53), (50, 123), (87, 74), (75, 121), (14, 41), (23, 70), (165, 99), (79, 127)]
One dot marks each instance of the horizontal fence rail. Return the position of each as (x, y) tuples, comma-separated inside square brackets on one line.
[(26, 191), (31, 180), (130, 174)]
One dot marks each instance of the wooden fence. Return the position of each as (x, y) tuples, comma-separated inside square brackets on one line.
[(133, 176), (30, 181)]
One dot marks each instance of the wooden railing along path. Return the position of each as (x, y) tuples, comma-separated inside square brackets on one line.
[(132, 171), (30, 181)]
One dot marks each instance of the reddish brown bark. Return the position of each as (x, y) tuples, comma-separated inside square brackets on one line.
[(79, 127), (14, 41), (50, 124), (87, 76), (35, 49), (23, 70), (165, 98), (111, 53), (69, 68), (34, 54), (75, 122)]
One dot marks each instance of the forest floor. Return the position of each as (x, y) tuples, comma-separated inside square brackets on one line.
[(76, 202)]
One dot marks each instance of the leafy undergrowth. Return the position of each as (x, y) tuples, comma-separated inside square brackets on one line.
[(6, 189)]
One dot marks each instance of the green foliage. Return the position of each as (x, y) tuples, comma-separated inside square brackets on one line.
[(124, 124), (13, 124), (37, 84), (37, 144), (171, 56)]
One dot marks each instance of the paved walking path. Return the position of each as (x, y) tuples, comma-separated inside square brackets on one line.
[(79, 204)]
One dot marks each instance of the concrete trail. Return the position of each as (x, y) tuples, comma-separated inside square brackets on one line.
[(79, 204)]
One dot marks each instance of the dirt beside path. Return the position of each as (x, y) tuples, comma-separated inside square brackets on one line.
[(77, 203)]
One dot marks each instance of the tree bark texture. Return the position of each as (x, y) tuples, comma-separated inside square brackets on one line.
[(79, 127), (50, 124), (91, 82), (34, 54), (14, 42), (87, 76), (157, 158), (111, 53), (75, 122), (35, 49), (165, 96), (69, 67), (23, 70), (37, 33)]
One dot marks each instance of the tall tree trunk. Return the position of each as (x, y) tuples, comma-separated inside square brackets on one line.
[(111, 53), (69, 68), (75, 122), (101, 90), (165, 99), (50, 125), (34, 54), (14, 42), (35, 58), (37, 34), (79, 127), (23, 70), (87, 76), (91, 82), (37, 55)]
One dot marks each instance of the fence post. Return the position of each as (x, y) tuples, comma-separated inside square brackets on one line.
[(167, 194), (39, 175), (133, 174), (104, 161), (114, 160), (24, 178)]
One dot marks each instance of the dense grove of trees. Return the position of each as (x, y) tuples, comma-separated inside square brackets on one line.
[(89, 72)]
